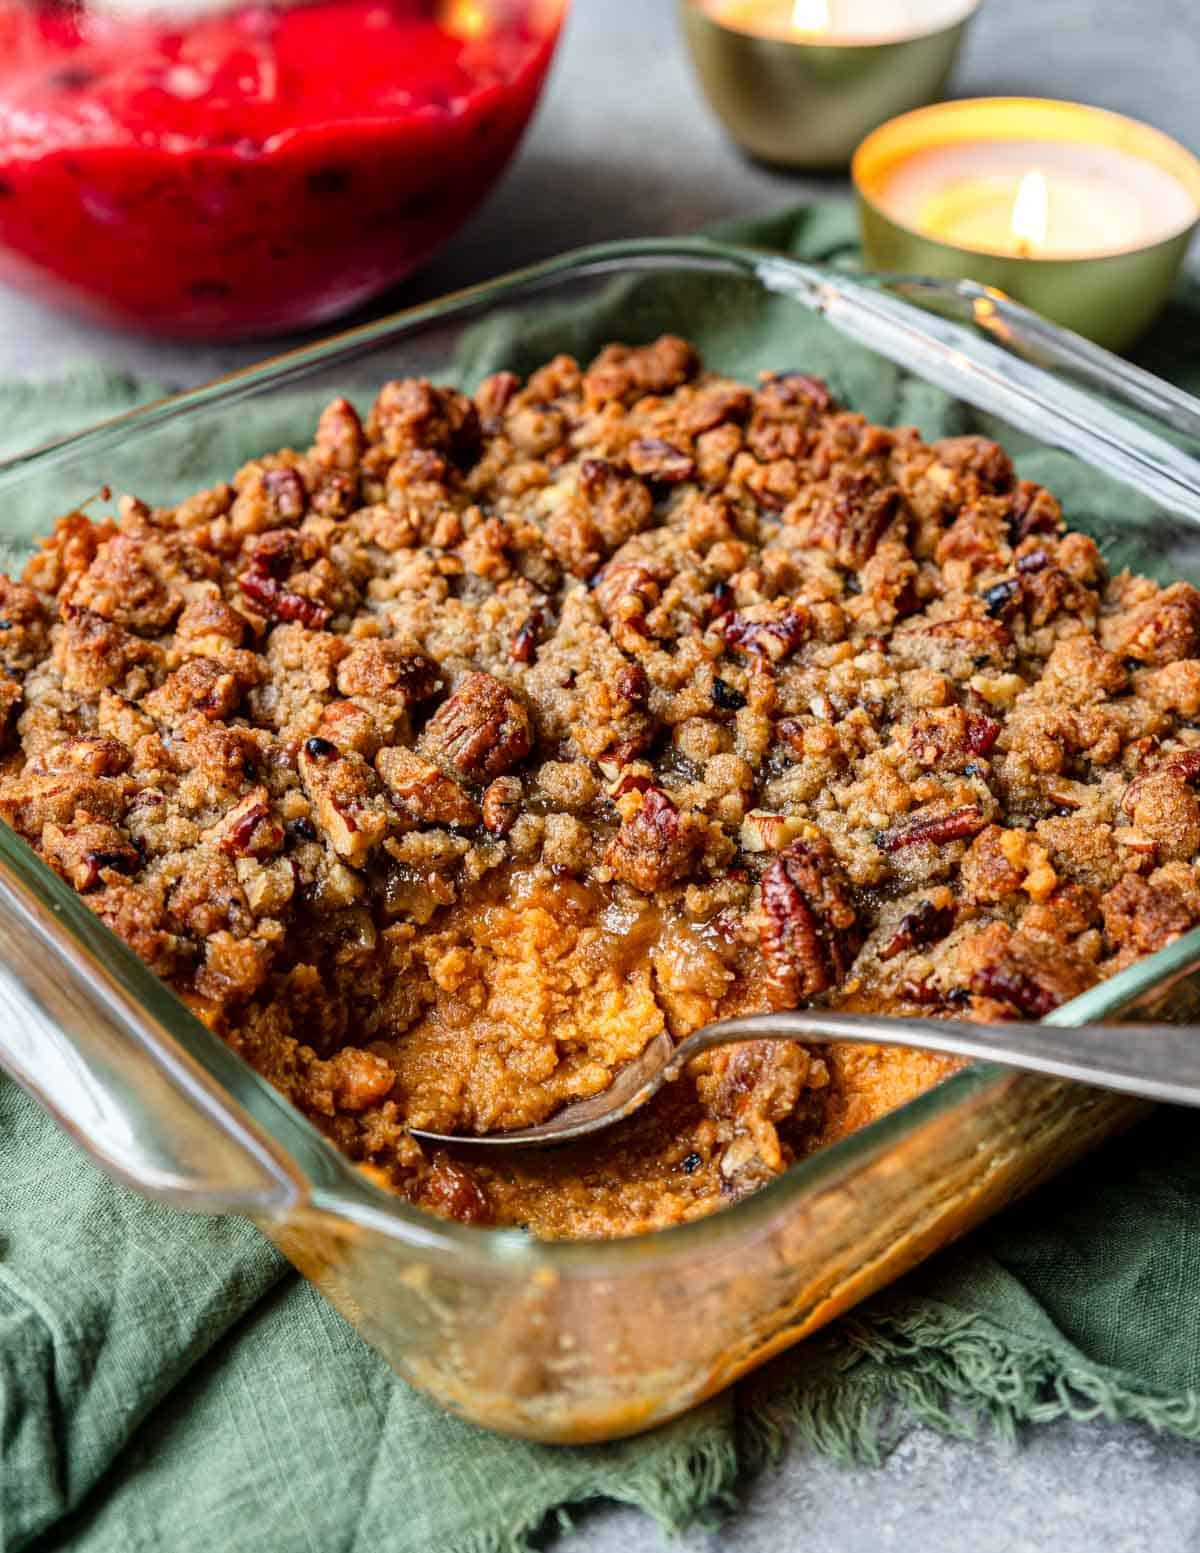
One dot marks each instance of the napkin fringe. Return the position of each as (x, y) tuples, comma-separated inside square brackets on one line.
[(952, 1372)]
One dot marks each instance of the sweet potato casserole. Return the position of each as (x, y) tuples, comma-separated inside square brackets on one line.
[(441, 766)]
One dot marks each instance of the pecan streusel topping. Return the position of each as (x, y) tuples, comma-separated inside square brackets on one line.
[(443, 765)]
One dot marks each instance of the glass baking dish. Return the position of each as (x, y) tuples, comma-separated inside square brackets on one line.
[(589, 1341)]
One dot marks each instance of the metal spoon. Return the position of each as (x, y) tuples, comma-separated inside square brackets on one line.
[(1158, 1062)]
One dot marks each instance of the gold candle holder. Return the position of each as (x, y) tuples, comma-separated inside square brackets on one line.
[(1082, 214), (800, 82)]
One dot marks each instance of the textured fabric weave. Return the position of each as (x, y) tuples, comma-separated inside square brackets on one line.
[(167, 1382)]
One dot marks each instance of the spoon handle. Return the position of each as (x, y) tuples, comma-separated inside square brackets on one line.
[(1159, 1062)]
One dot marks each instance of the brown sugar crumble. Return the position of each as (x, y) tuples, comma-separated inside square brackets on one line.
[(440, 767)]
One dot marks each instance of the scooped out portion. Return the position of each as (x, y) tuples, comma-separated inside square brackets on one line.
[(441, 766)]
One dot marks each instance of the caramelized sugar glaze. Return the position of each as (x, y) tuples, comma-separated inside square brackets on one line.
[(440, 767)]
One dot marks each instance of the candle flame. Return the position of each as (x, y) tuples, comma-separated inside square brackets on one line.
[(811, 16), (1031, 210), (465, 19)]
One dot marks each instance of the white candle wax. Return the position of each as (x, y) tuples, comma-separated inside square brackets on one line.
[(840, 21), (1097, 199)]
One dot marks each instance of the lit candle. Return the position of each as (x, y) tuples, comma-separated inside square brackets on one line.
[(1083, 214), (800, 82)]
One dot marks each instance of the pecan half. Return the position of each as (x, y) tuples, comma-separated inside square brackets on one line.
[(483, 730), (424, 791), (938, 829), (810, 931), (657, 845)]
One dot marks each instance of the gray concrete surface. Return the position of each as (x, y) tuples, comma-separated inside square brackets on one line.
[(624, 145)]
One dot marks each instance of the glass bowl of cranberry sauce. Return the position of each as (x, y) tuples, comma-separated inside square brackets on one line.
[(219, 171)]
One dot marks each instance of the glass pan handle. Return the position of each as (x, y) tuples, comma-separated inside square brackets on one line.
[(1026, 333)]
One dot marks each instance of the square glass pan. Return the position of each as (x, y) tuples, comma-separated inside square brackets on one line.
[(592, 1340)]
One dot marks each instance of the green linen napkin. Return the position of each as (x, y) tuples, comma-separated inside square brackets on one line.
[(167, 1382)]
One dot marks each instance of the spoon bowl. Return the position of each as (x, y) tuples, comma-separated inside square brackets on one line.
[(1154, 1061)]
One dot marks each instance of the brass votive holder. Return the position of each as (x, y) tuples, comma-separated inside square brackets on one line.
[(1107, 280), (806, 99)]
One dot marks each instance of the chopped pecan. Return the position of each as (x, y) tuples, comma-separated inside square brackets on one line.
[(1034, 511), (657, 845), (1028, 975), (342, 791), (335, 494), (93, 755), (210, 626), (632, 685), (340, 442), (946, 739), (771, 636), (977, 456), (850, 518), (1002, 598), (982, 732), (412, 413), (810, 931), (1142, 915), (655, 459), (924, 924), (715, 405), (483, 730), (263, 586), (380, 669), (84, 853), (249, 829), (493, 397), (626, 592), (1023, 992), (502, 805), (938, 829), (796, 388), (424, 791), (1166, 629), (525, 638), (286, 494), (627, 372), (619, 504), (1182, 766)]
